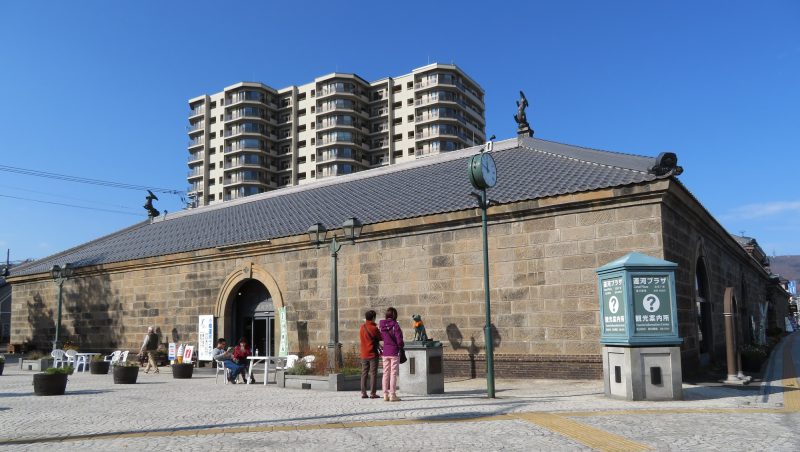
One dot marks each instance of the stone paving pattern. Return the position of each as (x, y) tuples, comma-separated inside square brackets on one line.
[(197, 414)]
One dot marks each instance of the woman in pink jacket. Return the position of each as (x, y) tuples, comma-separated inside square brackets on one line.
[(392, 337)]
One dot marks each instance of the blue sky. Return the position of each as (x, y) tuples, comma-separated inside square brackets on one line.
[(99, 90)]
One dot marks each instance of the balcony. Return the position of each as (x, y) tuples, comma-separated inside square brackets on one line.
[(243, 148), (195, 173), (334, 107), (197, 111), (439, 99), (243, 114), (245, 96), (197, 127), (243, 163), (440, 133), (339, 155), (236, 179), (439, 116), (199, 141), (196, 156)]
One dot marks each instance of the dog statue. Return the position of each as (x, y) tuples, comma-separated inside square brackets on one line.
[(419, 329)]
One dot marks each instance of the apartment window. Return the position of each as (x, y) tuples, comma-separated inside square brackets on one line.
[(301, 144), (313, 157), (313, 93), (397, 105), (213, 120), (410, 151), (301, 113), (410, 85), (398, 154), (301, 128), (212, 135), (214, 104), (397, 88), (411, 134), (210, 197), (397, 137), (302, 96), (410, 102), (212, 167), (313, 126), (301, 160), (313, 173), (397, 121), (212, 151), (313, 109), (313, 140), (220, 180), (211, 183), (410, 118), (221, 118), (301, 176)]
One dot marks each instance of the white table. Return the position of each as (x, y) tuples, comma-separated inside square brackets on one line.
[(267, 360), (84, 358), (256, 360)]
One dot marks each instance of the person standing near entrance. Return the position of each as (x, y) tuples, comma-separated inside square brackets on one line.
[(392, 337), (370, 351), (149, 346)]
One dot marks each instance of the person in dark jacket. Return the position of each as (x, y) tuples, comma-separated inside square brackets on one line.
[(392, 337), (370, 339)]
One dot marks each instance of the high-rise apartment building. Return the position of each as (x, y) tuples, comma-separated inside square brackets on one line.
[(251, 138)]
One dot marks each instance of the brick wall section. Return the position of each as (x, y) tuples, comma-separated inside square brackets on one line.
[(587, 367)]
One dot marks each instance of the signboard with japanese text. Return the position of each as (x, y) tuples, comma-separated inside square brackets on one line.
[(205, 337), (171, 351), (188, 351), (652, 309), (613, 293), (283, 349)]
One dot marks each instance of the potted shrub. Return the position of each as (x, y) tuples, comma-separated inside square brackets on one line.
[(52, 381), (182, 370), (2, 363), (753, 356), (126, 373), (99, 366)]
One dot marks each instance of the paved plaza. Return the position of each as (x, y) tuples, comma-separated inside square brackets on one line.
[(199, 414)]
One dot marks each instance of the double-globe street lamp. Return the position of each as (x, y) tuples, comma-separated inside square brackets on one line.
[(60, 274), (351, 230)]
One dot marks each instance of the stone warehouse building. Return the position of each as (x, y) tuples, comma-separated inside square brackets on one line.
[(558, 213)]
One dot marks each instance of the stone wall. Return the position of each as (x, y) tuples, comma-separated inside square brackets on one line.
[(690, 234), (543, 257)]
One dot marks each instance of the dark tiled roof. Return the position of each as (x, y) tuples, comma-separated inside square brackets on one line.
[(527, 169)]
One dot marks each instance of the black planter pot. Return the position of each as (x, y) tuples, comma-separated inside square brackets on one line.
[(99, 367), (182, 370), (47, 385), (125, 375)]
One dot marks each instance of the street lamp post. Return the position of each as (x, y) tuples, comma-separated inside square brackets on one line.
[(60, 274), (351, 230)]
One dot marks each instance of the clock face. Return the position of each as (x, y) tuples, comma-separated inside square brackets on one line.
[(489, 170), (482, 171)]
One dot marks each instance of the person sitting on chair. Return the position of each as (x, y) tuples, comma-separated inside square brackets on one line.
[(240, 354), (224, 358)]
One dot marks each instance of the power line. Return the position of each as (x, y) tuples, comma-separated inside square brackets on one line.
[(72, 205), (69, 197), (84, 180)]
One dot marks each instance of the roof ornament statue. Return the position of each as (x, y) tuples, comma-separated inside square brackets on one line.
[(152, 212), (523, 128)]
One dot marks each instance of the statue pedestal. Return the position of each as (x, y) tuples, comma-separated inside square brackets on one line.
[(422, 374), (642, 373), (524, 131)]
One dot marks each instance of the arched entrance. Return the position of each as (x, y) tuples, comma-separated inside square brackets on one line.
[(254, 317), (247, 305)]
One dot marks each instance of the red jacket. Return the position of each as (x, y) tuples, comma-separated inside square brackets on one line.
[(240, 355), (369, 336)]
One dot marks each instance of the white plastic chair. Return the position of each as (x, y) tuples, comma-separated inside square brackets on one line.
[(309, 360), (59, 357), (113, 358), (226, 373), (72, 358)]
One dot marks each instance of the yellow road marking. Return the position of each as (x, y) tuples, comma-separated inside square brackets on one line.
[(590, 436), (791, 393)]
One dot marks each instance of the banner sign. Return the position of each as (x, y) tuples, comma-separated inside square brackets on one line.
[(284, 342), (614, 303), (171, 353), (652, 310), (188, 351), (205, 337)]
